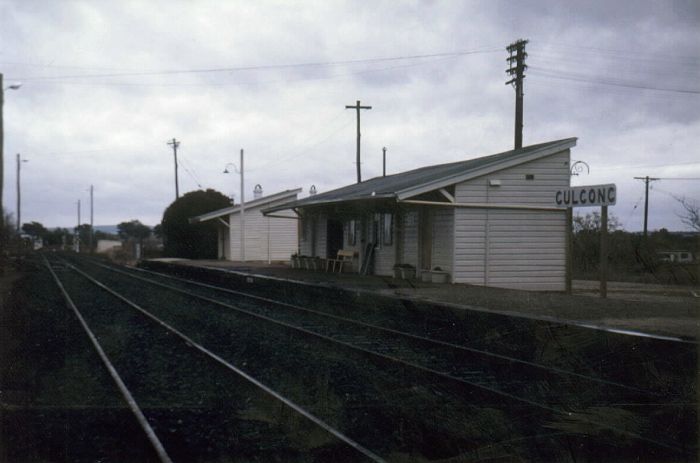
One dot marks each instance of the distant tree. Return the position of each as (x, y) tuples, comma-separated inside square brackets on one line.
[(100, 235), (691, 212), (192, 241), (84, 235), (35, 229), (7, 233), (58, 236), (158, 231), (133, 229), (592, 222), (586, 243)]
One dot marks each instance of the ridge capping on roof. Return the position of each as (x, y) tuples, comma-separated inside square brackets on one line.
[(249, 204), (413, 182), (503, 160)]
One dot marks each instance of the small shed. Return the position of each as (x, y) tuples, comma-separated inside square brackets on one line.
[(265, 238), (486, 221), (104, 246)]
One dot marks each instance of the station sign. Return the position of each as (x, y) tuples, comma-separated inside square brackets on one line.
[(586, 196)]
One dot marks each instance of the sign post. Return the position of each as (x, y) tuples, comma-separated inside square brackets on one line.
[(588, 196), (569, 248), (604, 251)]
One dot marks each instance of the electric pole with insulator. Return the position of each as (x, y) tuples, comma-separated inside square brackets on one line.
[(516, 61), (174, 143), (92, 216), (358, 107), (646, 181), (19, 192), (384, 162)]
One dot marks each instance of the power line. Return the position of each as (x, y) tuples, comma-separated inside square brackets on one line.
[(632, 55), (555, 74), (258, 67), (656, 165), (343, 124), (238, 83), (189, 172)]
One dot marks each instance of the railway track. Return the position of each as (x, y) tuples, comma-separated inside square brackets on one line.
[(476, 367), (159, 330), (546, 388)]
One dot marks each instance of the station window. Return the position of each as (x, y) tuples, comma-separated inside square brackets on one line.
[(387, 229), (529, 176)]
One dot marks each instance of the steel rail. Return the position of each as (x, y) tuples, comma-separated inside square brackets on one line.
[(580, 416), (415, 337), (195, 345), (126, 394)]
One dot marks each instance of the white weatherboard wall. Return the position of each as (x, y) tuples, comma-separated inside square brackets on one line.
[(265, 237), (410, 238), (443, 236), (510, 248)]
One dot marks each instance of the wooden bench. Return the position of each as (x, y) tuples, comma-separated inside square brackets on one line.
[(311, 262), (341, 259)]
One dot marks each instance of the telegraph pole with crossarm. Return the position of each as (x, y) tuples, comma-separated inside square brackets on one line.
[(646, 181), (516, 61), (175, 144), (358, 107)]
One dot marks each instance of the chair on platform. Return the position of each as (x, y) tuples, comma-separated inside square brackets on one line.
[(339, 262)]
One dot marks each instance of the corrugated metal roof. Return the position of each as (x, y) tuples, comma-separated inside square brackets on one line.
[(389, 186), (248, 205)]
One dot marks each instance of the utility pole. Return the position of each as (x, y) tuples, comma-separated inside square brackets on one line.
[(242, 212), (384, 162), (357, 107), (646, 181), (516, 61), (2, 163), (92, 230), (77, 233), (2, 173), (19, 203), (174, 143)]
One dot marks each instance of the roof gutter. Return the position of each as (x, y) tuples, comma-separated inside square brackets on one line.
[(301, 203), (522, 207)]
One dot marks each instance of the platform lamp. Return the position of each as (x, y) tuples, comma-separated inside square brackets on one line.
[(2, 161), (242, 216)]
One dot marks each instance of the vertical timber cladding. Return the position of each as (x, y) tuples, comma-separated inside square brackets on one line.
[(443, 238), (305, 238), (320, 234), (234, 237), (520, 249), (410, 237)]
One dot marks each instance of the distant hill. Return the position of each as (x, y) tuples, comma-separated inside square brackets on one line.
[(111, 229)]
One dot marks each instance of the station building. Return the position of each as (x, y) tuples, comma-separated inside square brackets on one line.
[(486, 221), (265, 238)]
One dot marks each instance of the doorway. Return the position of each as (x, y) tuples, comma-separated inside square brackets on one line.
[(334, 238)]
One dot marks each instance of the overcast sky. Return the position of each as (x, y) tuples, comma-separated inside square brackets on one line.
[(106, 84)]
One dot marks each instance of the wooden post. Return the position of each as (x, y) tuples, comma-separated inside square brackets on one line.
[(357, 107), (569, 248), (604, 251)]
